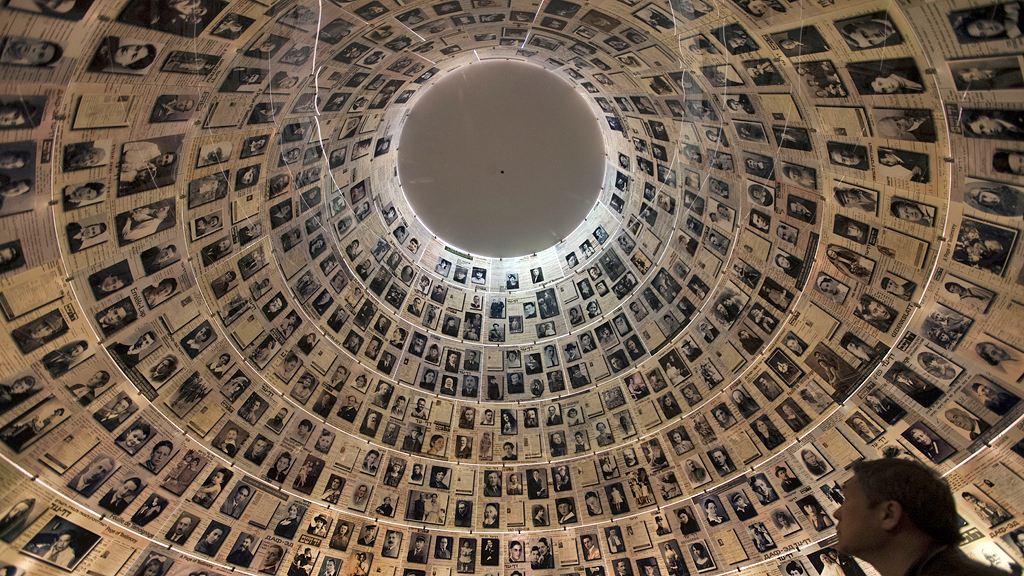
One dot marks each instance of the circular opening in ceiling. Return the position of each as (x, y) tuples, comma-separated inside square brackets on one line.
[(501, 158)]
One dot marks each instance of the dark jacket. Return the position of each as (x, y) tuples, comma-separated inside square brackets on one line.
[(950, 561)]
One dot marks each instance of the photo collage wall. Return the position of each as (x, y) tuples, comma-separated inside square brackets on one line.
[(234, 347)]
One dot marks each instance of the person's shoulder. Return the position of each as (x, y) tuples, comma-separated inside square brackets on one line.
[(953, 562)]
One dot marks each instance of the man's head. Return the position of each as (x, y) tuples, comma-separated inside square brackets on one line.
[(720, 458), (183, 523), (273, 555), (891, 496), (98, 469), (128, 487), (260, 446), (64, 538)]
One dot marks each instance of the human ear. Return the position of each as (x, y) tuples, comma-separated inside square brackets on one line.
[(890, 514)]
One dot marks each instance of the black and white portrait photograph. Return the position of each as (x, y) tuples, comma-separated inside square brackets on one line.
[(928, 442), (182, 18), (19, 516), (885, 407), (22, 112), (655, 17), (983, 506), (87, 233), (963, 422), (792, 137), (24, 385), (983, 245), (232, 26), (702, 559), (995, 198), (759, 165), (912, 384), (990, 395), (851, 264), (86, 155), (898, 286), (834, 370), (831, 288), (266, 46), (172, 108), (798, 175), (195, 341), (796, 42), (904, 165), (120, 494), (869, 31), (848, 155), (989, 23), (986, 74), (996, 356), (83, 194), (911, 125), (735, 39), (20, 194), (875, 313), (912, 211), (889, 76), (851, 229), (61, 543), (207, 189), (118, 55), (864, 426), (64, 9), (936, 365), (35, 423), (134, 437), (945, 326), (111, 280), (803, 209), (36, 333), (763, 72), (144, 221)]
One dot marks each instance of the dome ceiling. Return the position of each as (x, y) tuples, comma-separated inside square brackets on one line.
[(501, 158), (236, 345)]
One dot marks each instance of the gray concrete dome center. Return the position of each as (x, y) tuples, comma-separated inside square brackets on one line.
[(501, 158)]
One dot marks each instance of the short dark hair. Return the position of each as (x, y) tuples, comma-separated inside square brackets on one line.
[(920, 491), (1001, 162), (895, 206)]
